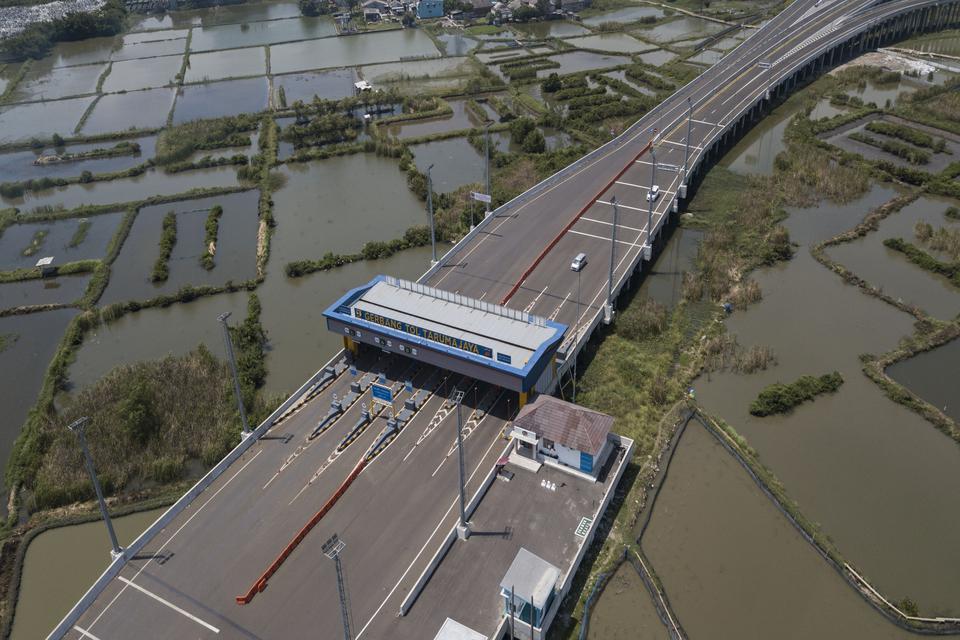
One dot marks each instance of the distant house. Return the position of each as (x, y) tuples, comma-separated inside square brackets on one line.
[(375, 5), (481, 7), (429, 9)]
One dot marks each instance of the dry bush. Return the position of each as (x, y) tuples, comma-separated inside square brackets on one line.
[(641, 321), (745, 293), (691, 287), (756, 358)]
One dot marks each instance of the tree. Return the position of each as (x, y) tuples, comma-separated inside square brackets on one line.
[(86, 177), (552, 83), (534, 142), (57, 140), (408, 19), (525, 13), (520, 129), (544, 7)]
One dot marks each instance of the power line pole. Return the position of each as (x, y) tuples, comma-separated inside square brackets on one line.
[(236, 377), (332, 549), (608, 310), (433, 238), (79, 427), (463, 529)]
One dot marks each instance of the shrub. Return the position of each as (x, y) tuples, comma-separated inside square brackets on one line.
[(168, 238), (552, 83), (782, 398)]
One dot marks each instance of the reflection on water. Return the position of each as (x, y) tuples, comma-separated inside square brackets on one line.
[(350, 51), (134, 110), (227, 98), (933, 376), (865, 468), (247, 34), (734, 567), (235, 63), (18, 165), (627, 14), (60, 566), (617, 42)]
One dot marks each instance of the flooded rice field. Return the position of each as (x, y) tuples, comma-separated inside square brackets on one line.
[(328, 85), (32, 340), (233, 63), (616, 42), (134, 110), (130, 75), (57, 237), (246, 34), (456, 44), (461, 118), (227, 98), (21, 122), (76, 554), (45, 83), (235, 258), (371, 188), (933, 376), (582, 61), (891, 271), (350, 51), (61, 290), (680, 28), (18, 165), (624, 610), (455, 163), (626, 14), (827, 452), (732, 564), (658, 57), (153, 182)]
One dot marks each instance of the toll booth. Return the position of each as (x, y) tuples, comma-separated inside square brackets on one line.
[(485, 341)]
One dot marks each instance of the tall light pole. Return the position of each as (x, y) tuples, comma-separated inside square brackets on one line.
[(433, 238), (79, 427), (650, 201), (576, 326), (463, 529), (486, 172), (608, 310), (332, 548), (686, 151), (228, 343)]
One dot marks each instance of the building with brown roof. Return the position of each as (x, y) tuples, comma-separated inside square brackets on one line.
[(557, 433)]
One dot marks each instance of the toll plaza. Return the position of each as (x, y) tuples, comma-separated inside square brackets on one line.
[(487, 342)]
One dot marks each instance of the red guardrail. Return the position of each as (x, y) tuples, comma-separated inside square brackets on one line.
[(569, 226), (261, 582)]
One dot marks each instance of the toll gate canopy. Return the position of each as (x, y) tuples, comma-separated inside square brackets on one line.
[(505, 347)]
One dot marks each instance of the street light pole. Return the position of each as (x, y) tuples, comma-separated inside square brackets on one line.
[(608, 310), (576, 325), (79, 427), (650, 201), (463, 530), (332, 549), (433, 238), (228, 343), (486, 172)]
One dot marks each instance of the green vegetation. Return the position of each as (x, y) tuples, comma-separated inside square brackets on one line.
[(901, 150), (176, 143), (907, 134), (250, 341), (147, 421), (38, 38), (80, 234), (524, 132), (7, 340), (924, 260), (937, 106), (39, 236), (211, 231), (418, 236), (953, 213), (782, 398), (639, 73), (15, 81), (168, 238), (207, 162)]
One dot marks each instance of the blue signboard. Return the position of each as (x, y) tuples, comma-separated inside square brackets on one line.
[(503, 357), (382, 392), (426, 334)]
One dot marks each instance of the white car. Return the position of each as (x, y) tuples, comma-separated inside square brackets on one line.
[(579, 262), (653, 194)]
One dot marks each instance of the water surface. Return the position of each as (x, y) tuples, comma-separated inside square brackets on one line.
[(235, 63), (933, 376), (134, 110), (18, 165), (21, 122), (329, 85), (627, 14), (249, 34), (17, 237), (351, 50), (216, 99), (624, 610), (129, 75), (616, 42)]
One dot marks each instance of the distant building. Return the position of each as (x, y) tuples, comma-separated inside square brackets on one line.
[(429, 9), (481, 7), (375, 5), (564, 435)]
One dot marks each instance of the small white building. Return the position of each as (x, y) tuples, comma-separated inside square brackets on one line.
[(567, 436)]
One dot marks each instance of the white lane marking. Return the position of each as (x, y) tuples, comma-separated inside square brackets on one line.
[(496, 438), (534, 301), (625, 206), (556, 312), (170, 539), (710, 124), (185, 614), (85, 633), (681, 143), (610, 224), (590, 235)]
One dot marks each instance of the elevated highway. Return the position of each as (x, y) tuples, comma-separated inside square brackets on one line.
[(181, 577)]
